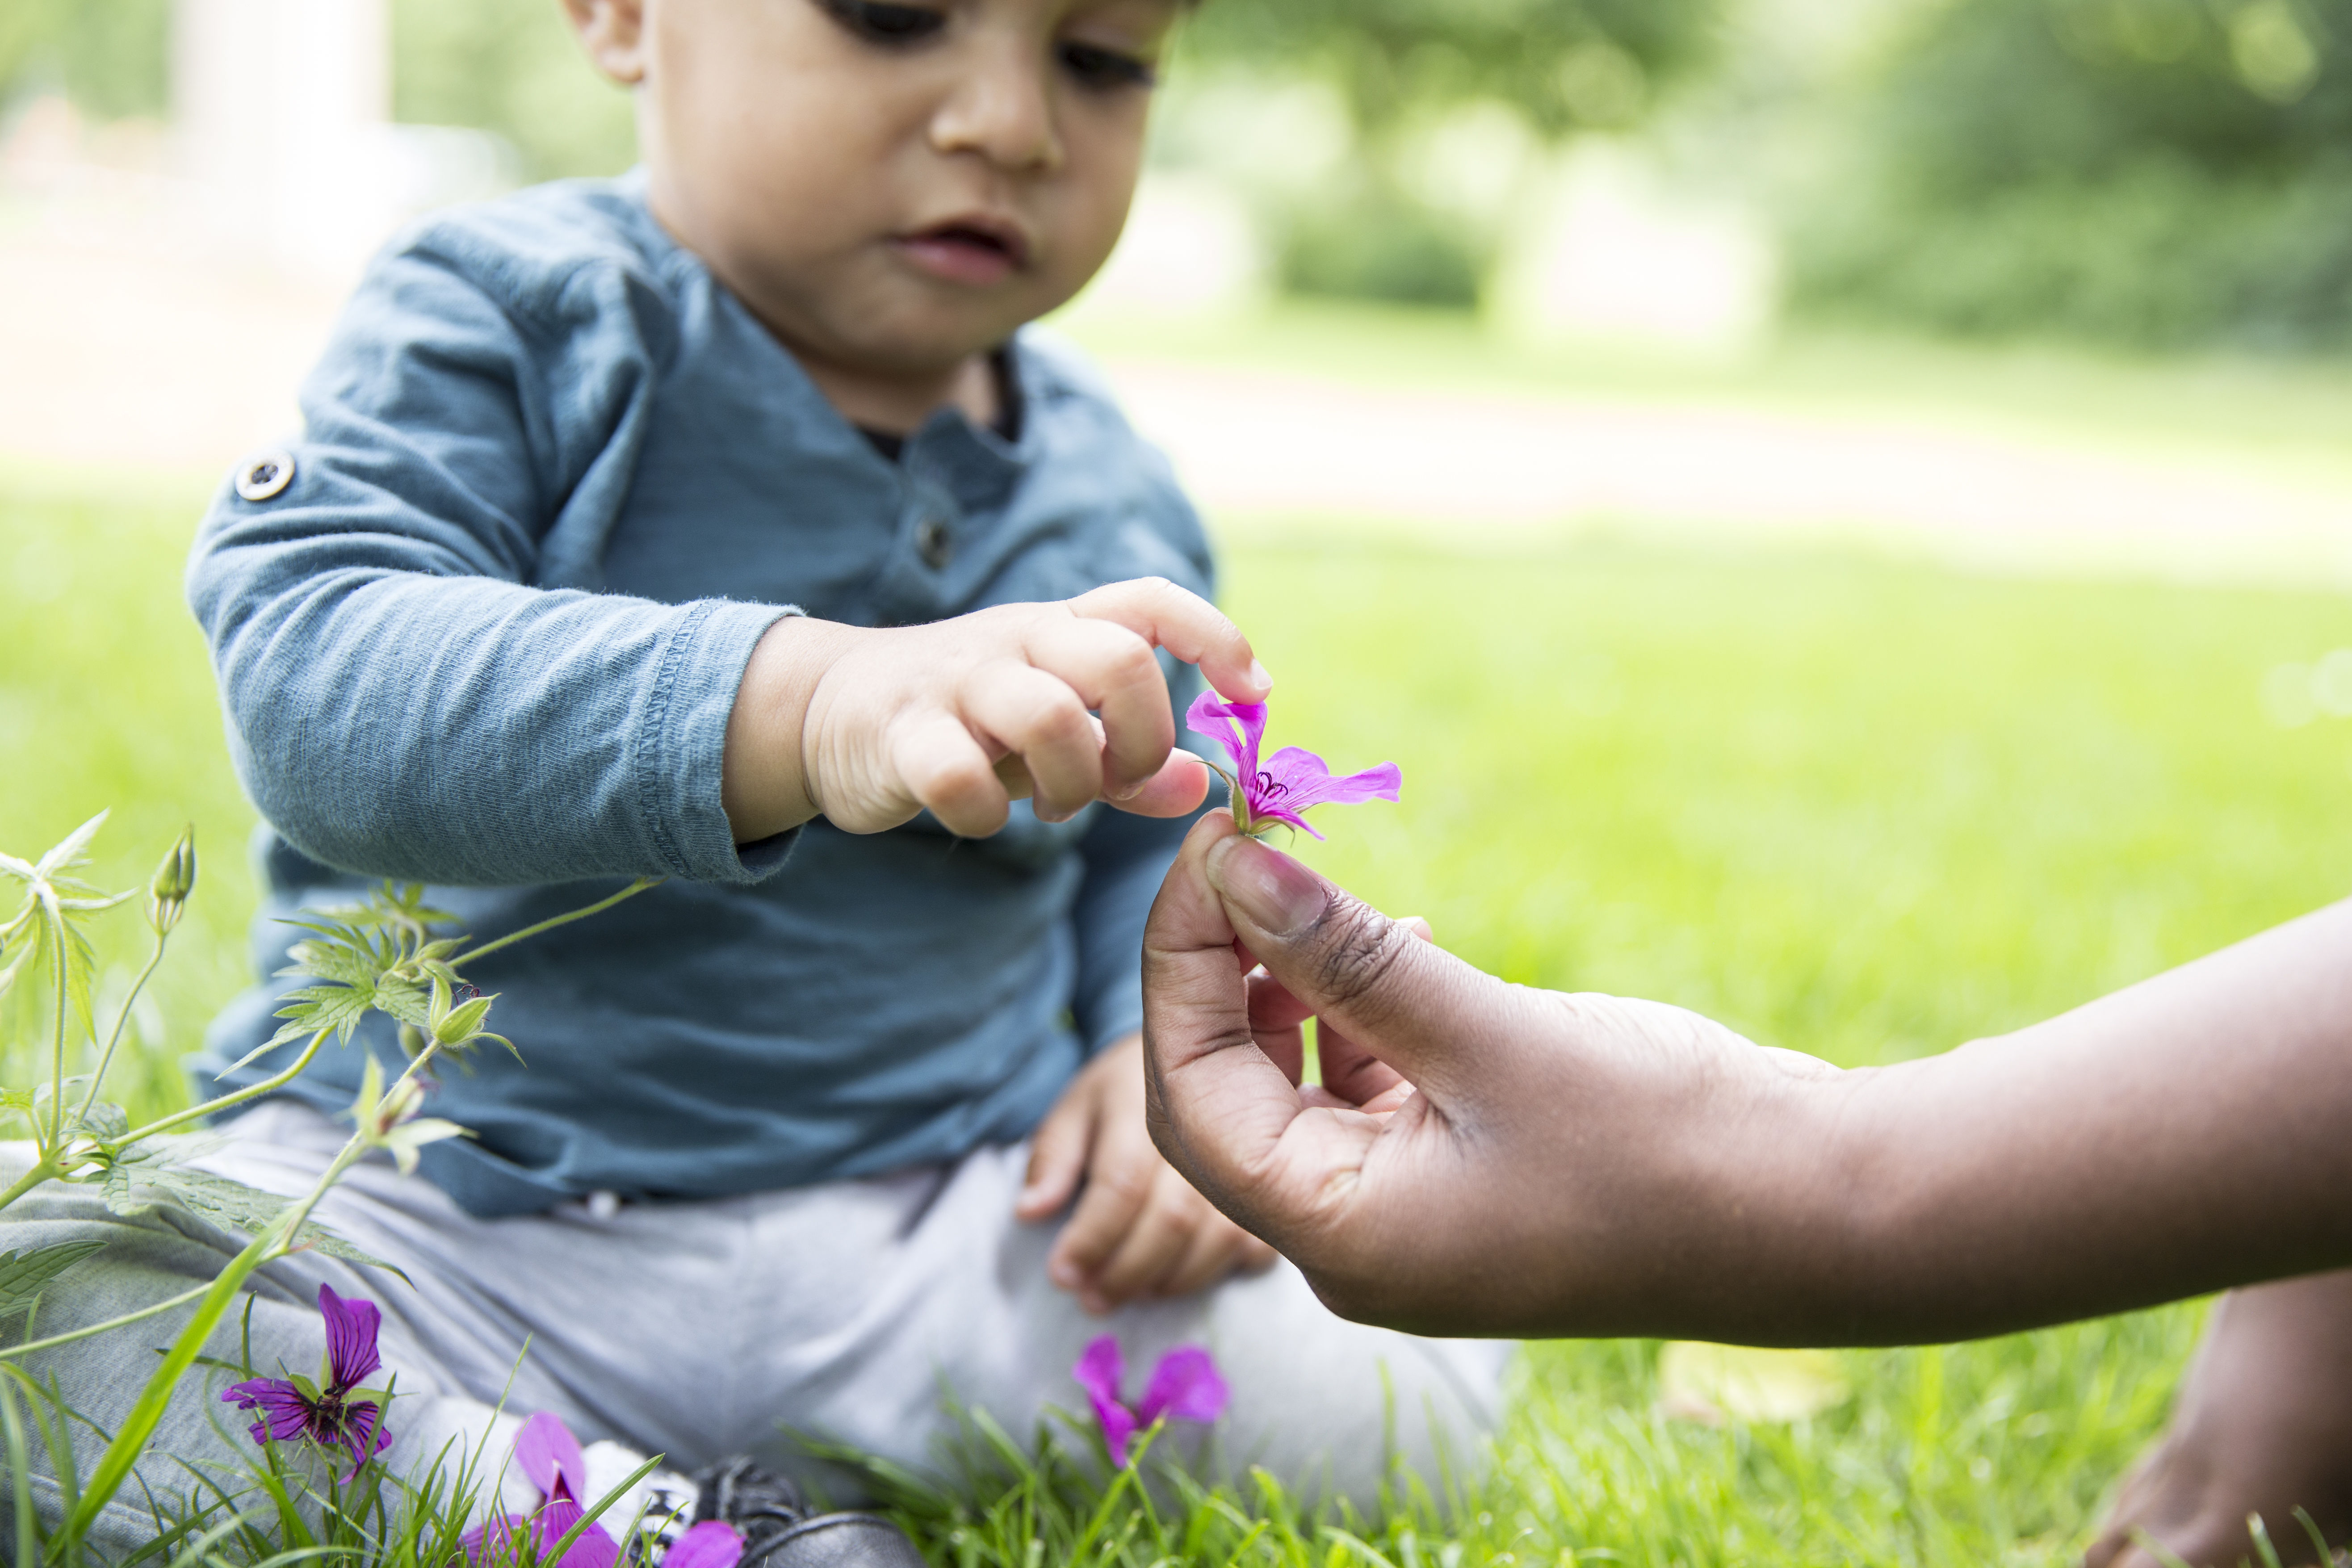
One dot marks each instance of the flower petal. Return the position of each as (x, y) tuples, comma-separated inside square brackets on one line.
[(493, 1537), (1212, 716), (1306, 781), (549, 1455), (596, 1548), (285, 1413), (351, 1329), (1185, 1387), (363, 1434), (1100, 1367), (713, 1543)]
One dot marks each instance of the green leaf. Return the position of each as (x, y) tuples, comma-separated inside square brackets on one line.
[(25, 1275), (68, 854), (154, 1172)]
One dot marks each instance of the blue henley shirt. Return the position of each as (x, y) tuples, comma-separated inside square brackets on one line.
[(553, 484)]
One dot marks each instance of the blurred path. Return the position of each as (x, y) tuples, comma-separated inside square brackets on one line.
[(133, 338), (1270, 445)]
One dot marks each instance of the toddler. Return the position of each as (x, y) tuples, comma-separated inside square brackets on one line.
[(722, 523)]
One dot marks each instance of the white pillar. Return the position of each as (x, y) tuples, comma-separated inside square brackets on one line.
[(281, 108)]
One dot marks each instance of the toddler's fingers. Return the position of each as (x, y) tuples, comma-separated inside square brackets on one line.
[(1185, 624), (941, 765), (1057, 1157), (1220, 1249), (1176, 790), (1118, 1184), (1155, 1245), (1114, 671), (1040, 718)]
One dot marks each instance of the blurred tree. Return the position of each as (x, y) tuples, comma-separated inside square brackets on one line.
[(512, 67), (112, 59), (1564, 64), (2158, 171)]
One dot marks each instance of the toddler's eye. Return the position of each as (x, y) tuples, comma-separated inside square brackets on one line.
[(1096, 67), (879, 23)]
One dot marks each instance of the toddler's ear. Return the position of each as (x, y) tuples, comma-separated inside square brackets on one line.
[(612, 32)]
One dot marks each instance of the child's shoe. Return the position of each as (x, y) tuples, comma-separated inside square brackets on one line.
[(779, 1531)]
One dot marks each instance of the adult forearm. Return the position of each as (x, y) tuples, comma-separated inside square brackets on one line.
[(2177, 1137)]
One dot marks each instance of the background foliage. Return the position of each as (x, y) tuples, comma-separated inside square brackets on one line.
[(2166, 173)]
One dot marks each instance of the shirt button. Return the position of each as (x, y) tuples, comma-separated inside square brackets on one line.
[(934, 543), (266, 475)]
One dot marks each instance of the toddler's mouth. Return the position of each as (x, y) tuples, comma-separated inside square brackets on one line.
[(976, 249)]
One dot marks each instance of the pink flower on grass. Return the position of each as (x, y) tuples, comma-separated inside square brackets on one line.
[(334, 1412), (1286, 784), (549, 1457), (1184, 1386)]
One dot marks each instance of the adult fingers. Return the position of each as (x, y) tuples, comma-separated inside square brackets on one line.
[(1224, 1114), (1114, 671), (1041, 720), (1351, 1073), (1185, 624), (942, 765), (1276, 1018), (1057, 1157), (1402, 999)]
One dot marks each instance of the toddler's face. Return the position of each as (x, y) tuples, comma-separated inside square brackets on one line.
[(893, 187)]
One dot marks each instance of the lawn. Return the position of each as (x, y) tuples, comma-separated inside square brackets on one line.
[(1859, 807)]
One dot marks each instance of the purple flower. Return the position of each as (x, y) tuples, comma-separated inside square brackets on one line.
[(550, 1457), (334, 1412), (1287, 783), (713, 1543), (1184, 1387)]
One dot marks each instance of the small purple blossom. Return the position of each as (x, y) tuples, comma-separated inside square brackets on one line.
[(550, 1458), (1288, 782), (713, 1543), (335, 1412), (1185, 1387)]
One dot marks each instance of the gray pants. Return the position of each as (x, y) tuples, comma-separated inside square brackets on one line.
[(853, 1311)]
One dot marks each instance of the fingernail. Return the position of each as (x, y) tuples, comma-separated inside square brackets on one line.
[(1275, 891), (1259, 677)]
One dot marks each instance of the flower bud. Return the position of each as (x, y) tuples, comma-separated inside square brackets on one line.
[(175, 878)]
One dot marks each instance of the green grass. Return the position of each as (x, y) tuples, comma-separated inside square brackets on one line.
[(1859, 807)]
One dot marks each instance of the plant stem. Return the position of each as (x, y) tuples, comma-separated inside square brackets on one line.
[(43, 1168), (58, 1051), (631, 891), (106, 1058), (83, 1333), (266, 1086)]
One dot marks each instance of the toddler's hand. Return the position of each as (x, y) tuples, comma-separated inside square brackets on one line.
[(866, 726), (1139, 1230)]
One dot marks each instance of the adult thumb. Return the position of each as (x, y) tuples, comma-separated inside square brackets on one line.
[(1406, 1001)]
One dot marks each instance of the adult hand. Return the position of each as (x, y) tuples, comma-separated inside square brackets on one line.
[(1561, 1164), (1139, 1230), (1482, 1157)]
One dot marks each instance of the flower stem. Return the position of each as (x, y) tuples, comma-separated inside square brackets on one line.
[(106, 1058), (82, 1333), (266, 1086), (42, 1171), (58, 1051), (631, 891)]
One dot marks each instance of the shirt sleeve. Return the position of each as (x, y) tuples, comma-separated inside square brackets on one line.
[(403, 697)]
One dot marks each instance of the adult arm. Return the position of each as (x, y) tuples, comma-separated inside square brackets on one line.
[(1586, 1165)]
